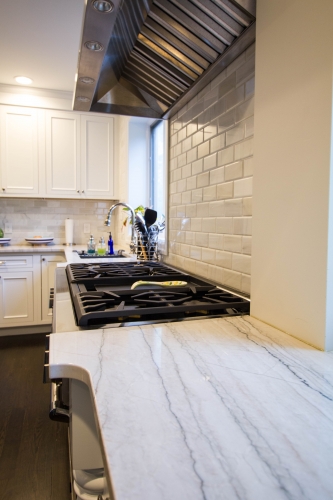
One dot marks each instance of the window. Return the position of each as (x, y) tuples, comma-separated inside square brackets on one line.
[(158, 175)]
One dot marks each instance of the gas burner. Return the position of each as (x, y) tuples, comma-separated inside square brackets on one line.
[(162, 298)]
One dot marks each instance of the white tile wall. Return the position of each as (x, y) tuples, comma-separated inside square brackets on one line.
[(36, 217), (211, 168)]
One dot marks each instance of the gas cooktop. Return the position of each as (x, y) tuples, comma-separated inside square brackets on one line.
[(102, 295)]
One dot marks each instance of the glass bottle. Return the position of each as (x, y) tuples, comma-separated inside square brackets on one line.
[(110, 245), (101, 249), (91, 247)]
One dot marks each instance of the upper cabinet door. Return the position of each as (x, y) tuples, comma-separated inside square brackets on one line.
[(97, 157), (63, 154), (19, 150)]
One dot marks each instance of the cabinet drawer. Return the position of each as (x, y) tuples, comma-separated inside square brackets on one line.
[(12, 262)]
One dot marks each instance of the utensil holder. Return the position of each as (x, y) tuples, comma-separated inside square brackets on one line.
[(147, 248)]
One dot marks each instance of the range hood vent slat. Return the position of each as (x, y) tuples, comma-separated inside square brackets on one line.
[(137, 58), (175, 42), (183, 34)]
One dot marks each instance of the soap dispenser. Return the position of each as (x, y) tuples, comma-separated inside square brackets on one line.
[(101, 249), (91, 247), (110, 245)]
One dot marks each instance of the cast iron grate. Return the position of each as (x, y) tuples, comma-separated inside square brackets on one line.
[(110, 307), (88, 272)]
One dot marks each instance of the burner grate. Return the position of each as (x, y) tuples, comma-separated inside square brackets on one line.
[(113, 307), (106, 271)]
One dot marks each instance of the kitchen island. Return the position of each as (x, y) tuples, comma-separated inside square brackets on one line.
[(226, 408)]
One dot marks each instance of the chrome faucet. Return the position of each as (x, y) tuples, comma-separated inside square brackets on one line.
[(107, 222)]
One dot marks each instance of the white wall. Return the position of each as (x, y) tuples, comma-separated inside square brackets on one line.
[(15, 95), (292, 176), (138, 162), (121, 236)]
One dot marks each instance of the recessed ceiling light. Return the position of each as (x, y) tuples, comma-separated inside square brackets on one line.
[(82, 98), (92, 45), (23, 80), (86, 79), (103, 6)]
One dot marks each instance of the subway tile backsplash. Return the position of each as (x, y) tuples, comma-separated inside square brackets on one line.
[(210, 172), (36, 217)]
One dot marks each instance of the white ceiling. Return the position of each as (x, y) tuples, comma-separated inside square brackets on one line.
[(40, 39)]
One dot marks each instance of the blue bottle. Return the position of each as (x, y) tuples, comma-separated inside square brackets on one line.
[(110, 245)]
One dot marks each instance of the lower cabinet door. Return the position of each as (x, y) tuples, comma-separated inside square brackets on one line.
[(16, 298)]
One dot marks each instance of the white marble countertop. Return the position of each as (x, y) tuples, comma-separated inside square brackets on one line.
[(36, 248), (225, 408), (70, 252)]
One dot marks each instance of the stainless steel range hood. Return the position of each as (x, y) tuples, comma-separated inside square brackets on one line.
[(150, 57)]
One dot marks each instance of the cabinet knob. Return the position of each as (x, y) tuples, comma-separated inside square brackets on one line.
[(2, 263), (43, 259), (3, 189), (83, 191)]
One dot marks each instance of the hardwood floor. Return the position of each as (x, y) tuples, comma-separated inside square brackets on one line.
[(34, 461)]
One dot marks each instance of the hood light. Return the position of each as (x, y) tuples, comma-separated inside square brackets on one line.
[(82, 98), (23, 80), (87, 80), (104, 6), (93, 45)]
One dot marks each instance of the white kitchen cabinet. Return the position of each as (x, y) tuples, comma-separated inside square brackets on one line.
[(16, 298), (19, 145), (97, 156), (16, 291), (56, 154), (62, 154), (79, 155), (49, 264), (25, 282)]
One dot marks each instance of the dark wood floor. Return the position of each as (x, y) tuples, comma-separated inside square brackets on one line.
[(33, 449)]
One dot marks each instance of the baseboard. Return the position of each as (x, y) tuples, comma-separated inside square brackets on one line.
[(24, 330)]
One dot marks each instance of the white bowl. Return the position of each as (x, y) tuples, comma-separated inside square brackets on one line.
[(39, 241)]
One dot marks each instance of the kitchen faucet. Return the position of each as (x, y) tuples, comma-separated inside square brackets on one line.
[(107, 222)]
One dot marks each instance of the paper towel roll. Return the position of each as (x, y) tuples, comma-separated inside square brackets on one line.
[(69, 230)]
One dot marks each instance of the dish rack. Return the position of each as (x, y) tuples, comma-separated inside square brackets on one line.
[(147, 246)]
